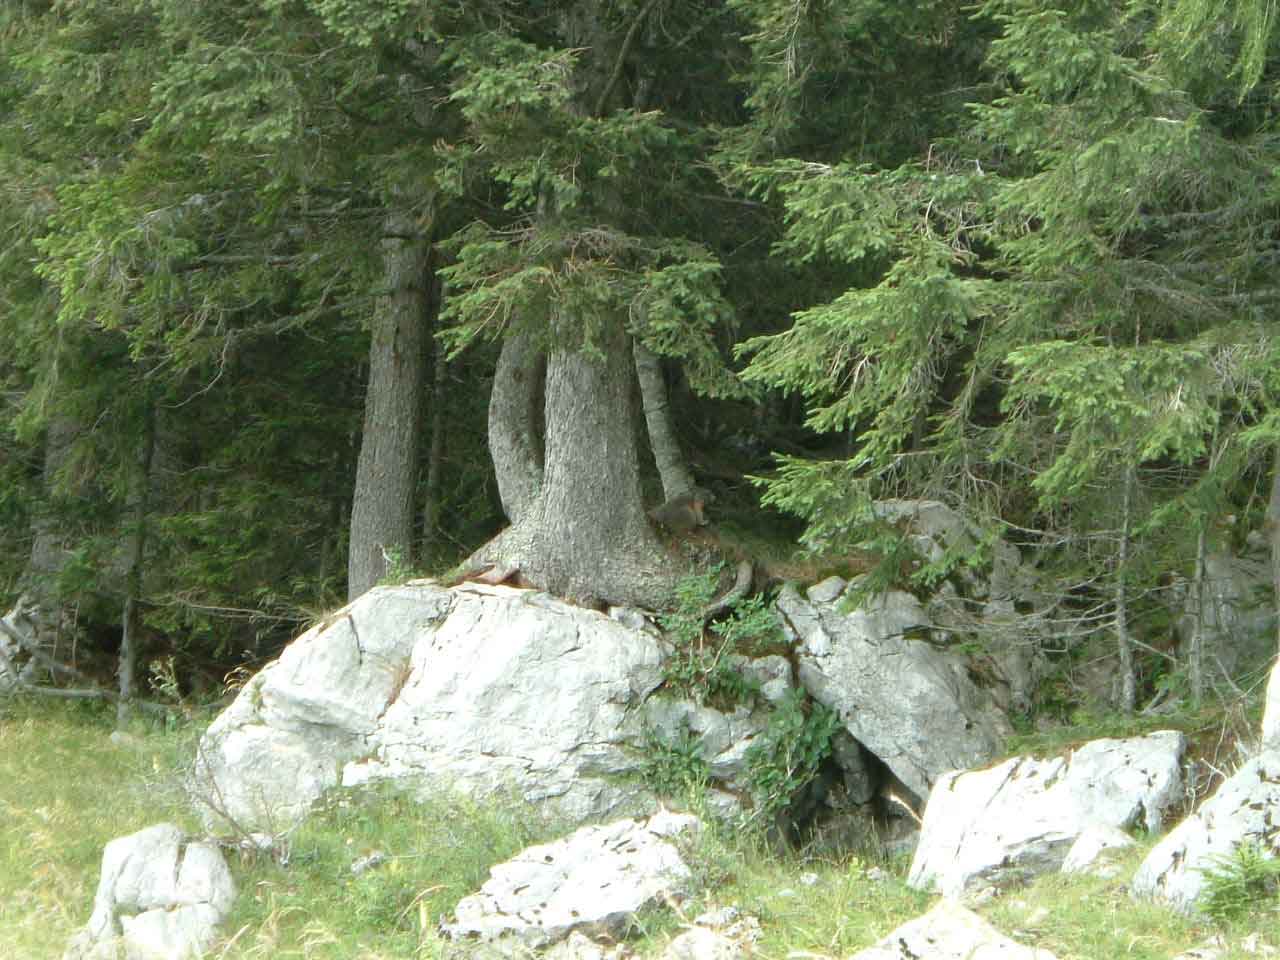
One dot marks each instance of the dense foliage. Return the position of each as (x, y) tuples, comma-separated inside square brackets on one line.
[(1018, 257)]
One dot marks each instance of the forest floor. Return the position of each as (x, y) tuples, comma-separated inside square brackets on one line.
[(66, 789)]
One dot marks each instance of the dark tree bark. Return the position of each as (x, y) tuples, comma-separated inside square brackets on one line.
[(382, 507), (435, 452), (135, 551)]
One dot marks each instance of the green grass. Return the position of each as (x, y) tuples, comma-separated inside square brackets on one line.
[(65, 790)]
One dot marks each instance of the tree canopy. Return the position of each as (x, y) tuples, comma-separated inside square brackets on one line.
[(1018, 257)]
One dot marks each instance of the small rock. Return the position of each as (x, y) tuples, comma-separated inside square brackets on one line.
[(363, 864)]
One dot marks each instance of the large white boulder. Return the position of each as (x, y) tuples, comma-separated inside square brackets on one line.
[(949, 932), (1244, 810), (593, 880), (159, 897), (910, 703), (477, 688), (1020, 818)]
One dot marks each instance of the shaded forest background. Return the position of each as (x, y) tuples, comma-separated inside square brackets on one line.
[(264, 264)]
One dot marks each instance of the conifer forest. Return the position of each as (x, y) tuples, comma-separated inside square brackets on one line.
[(300, 296)]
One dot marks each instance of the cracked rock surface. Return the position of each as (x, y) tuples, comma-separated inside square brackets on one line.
[(592, 881), (1244, 810), (1020, 818), (480, 689), (159, 897)]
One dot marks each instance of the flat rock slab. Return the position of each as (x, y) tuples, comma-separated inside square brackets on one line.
[(1019, 819), (1244, 810), (949, 932), (592, 882)]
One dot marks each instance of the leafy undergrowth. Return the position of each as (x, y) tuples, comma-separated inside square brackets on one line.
[(65, 790)]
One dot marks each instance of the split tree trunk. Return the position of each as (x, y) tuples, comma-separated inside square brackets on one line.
[(382, 507), (582, 532)]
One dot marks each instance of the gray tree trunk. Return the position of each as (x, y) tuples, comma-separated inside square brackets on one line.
[(1124, 643), (672, 467), (135, 551), (584, 535), (515, 424), (382, 506)]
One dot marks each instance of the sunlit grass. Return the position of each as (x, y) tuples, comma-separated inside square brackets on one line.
[(66, 789)]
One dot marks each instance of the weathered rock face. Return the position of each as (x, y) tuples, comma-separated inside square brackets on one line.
[(1093, 850), (477, 688), (159, 898), (1244, 810), (908, 702), (591, 881), (1020, 818), (949, 932)]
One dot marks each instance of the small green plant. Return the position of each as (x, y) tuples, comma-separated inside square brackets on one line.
[(708, 676), (709, 673), (1237, 883), (787, 756), (673, 767)]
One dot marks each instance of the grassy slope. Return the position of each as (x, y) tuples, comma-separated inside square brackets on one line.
[(65, 790)]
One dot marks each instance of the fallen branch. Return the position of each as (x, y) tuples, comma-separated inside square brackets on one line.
[(94, 692)]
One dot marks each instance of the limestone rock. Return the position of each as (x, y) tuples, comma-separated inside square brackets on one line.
[(1019, 818), (592, 881), (159, 898), (908, 702), (478, 688), (1093, 848), (1243, 810), (949, 932)]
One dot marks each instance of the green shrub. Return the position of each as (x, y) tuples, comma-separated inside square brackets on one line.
[(1237, 883), (784, 760)]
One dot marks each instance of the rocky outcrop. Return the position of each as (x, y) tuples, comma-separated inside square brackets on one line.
[(1020, 818), (159, 897), (910, 703), (592, 881), (949, 932), (1244, 810), (476, 688)]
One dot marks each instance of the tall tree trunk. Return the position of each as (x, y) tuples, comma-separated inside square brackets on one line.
[(672, 468), (1195, 649), (585, 535), (135, 551), (1124, 643), (382, 506)]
